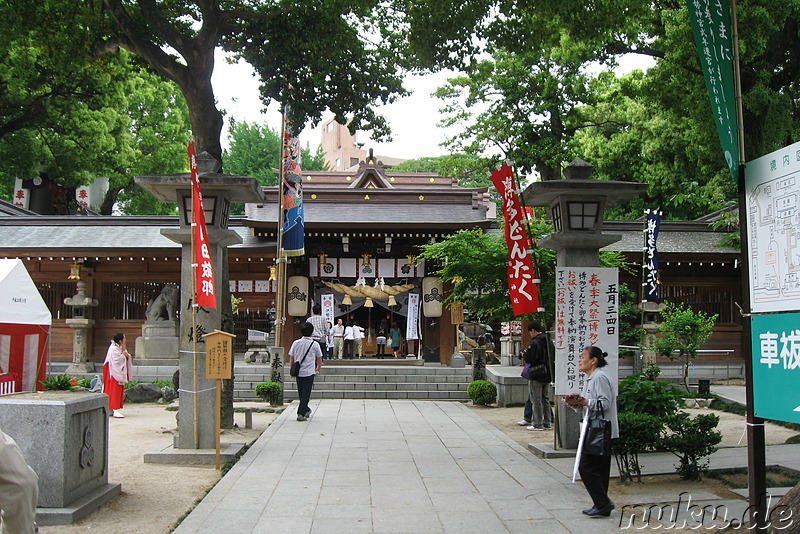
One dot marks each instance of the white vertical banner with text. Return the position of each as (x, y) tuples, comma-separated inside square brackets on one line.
[(412, 319), (587, 313), (328, 303)]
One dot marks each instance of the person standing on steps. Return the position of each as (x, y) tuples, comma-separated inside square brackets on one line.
[(380, 337), (117, 371), (338, 339), (358, 339), (349, 338), (318, 321), (305, 350), (396, 339)]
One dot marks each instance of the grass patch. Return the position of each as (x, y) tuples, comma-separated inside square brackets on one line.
[(777, 477)]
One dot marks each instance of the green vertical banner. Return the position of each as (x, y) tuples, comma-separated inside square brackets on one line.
[(713, 35)]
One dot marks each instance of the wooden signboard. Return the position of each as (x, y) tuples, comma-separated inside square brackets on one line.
[(219, 366), (219, 355), (457, 313)]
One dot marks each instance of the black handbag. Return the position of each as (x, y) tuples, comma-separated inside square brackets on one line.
[(294, 370), (597, 440)]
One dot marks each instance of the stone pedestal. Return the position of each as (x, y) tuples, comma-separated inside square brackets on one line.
[(510, 347), (159, 341), (64, 438), (79, 364)]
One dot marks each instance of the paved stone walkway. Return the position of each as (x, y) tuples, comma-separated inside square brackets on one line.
[(383, 466), (404, 466)]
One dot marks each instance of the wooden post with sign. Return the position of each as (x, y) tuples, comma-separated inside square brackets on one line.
[(219, 365), (456, 319)]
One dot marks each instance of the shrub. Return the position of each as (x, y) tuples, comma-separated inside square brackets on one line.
[(639, 394), (482, 392), (84, 383), (691, 440), (638, 432), (58, 383), (270, 392)]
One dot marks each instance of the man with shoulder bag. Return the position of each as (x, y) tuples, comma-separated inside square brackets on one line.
[(538, 372)]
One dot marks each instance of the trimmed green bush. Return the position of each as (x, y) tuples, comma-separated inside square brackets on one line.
[(691, 440), (270, 392), (638, 432), (482, 392)]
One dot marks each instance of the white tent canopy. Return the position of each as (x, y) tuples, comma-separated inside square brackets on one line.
[(24, 327), (20, 301)]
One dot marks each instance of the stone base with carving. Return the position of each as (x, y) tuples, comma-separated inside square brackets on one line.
[(64, 438), (159, 341)]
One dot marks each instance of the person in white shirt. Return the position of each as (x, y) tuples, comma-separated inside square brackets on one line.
[(338, 339), (307, 352), (349, 337), (358, 336), (318, 321)]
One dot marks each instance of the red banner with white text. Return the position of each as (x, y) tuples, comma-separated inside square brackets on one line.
[(522, 282), (204, 273)]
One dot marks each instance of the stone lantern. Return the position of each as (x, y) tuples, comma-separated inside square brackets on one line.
[(196, 419), (80, 323), (577, 205)]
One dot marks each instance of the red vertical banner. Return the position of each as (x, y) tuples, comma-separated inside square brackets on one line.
[(206, 296), (522, 283)]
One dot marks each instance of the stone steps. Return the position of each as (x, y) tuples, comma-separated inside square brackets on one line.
[(384, 382)]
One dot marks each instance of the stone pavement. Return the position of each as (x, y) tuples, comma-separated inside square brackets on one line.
[(383, 466), (395, 466)]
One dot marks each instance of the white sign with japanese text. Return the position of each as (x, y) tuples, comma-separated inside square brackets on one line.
[(772, 185), (587, 313)]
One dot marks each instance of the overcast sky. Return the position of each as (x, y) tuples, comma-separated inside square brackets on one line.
[(413, 119)]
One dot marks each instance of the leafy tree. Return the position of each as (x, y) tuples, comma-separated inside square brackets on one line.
[(125, 121), (683, 332), (475, 262), (344, 56), (255, 150), (469, 171)]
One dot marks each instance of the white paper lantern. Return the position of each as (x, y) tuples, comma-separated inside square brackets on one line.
[(297, 296), (432, 296)]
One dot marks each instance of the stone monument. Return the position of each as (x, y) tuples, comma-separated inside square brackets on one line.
[(159, 340), (80, 323)]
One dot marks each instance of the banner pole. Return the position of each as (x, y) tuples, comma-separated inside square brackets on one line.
[(196, 431)]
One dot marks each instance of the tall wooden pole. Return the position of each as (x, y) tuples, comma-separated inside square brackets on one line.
[(756, 442), (194, 325)]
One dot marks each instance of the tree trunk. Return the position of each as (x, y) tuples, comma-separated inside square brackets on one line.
[(785, 516), (204, 116)]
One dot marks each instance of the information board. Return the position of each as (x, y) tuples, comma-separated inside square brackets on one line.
[(772, 185)]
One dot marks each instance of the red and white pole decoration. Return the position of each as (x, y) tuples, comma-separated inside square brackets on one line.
[(206, 296), (522, 283)]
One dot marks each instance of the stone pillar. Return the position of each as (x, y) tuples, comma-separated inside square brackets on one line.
[(193, 366)]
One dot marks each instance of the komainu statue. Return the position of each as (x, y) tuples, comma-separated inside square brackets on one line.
[(164, 306)]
